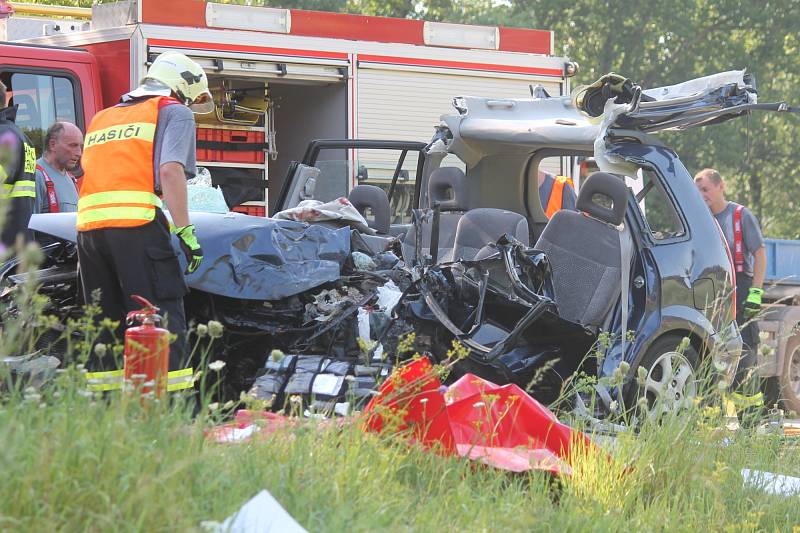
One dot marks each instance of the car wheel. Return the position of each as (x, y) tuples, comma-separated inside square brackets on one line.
[(790, 375), (671, 384)]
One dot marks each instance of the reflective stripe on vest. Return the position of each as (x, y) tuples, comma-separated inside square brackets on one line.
[(738, 241), (50, 186), (113, 379), (136, 207), (104, 381), (556, 200), (118, 182), (180, 379), (19, 189)]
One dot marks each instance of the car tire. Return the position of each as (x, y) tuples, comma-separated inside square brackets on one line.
[(671, 380), (790, 375)]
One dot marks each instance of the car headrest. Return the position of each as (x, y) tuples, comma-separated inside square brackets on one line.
[(598, 191), (375, 198), (446, 186)]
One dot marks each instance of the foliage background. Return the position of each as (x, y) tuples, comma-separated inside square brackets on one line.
[(657, 43)]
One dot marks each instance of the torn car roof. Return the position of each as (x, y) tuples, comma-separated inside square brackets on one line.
[(555, 122)]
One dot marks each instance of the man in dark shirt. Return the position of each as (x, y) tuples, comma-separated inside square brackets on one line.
[(17, 165)]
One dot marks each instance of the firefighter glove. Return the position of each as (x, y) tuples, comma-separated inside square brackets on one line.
[(190, 246), (752, 306)]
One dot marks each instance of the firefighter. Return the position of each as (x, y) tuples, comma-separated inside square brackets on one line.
[(134, 152), (56, 186), (17, 166), (746, 245), (555, 193)]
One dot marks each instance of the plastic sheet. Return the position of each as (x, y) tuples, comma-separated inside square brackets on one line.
[(501, 426), (258, 258)]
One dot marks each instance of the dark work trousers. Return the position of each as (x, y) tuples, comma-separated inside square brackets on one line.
[(121, 262), (18, 216), (748, 328)]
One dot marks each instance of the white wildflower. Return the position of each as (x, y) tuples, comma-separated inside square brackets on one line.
[(100, 350), (216, 366), (215, 329)]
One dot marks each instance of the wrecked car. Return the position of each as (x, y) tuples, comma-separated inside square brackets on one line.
[(640, 266)]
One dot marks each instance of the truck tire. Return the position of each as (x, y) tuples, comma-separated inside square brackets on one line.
[(671, 382), (790, 375)]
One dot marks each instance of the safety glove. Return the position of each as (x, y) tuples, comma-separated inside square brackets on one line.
[(591, 99), (190, 246), (752, 306)]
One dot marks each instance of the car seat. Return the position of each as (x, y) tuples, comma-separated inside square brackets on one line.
[(481, 227), (365, 197), (446, 186), (584, 249)]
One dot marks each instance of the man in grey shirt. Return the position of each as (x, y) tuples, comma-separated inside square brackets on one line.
[(750, 260), (56, 190)]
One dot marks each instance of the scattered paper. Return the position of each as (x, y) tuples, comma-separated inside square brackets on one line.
[(262, 514)]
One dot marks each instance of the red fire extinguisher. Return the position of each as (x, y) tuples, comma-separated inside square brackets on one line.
[(146, 349)]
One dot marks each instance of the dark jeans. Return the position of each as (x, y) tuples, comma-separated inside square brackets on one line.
[(748, 328), (121, 262)]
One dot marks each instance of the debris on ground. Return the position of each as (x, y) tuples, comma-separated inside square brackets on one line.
[(501, 426), (33, 369), (261, 514), (771, 483), (248, 424)]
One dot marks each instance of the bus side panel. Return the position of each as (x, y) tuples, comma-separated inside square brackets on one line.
[(113, 61)]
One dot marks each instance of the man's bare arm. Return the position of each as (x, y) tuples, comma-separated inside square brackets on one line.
[(759, 267), (173, 185)]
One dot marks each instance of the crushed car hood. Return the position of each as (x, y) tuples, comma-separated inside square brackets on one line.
[(247, 257)]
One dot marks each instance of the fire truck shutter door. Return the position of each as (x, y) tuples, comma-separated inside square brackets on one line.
[(411, 102), (289, 69), (405, 103)]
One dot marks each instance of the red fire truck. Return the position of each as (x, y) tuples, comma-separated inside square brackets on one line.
[(280, 78)]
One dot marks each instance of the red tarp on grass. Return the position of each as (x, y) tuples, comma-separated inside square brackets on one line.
[(501, 426)]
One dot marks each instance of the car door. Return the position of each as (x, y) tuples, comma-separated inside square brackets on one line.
[(332, 168)]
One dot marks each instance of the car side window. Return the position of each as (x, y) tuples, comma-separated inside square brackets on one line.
[(657, 208), (41, 100)]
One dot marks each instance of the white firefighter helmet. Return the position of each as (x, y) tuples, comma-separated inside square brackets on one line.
[(185, 78)]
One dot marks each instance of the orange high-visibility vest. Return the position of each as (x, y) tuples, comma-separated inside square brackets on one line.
[(555, 202), (118, 187)]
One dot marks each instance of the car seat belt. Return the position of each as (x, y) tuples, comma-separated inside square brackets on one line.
[(625, 252)]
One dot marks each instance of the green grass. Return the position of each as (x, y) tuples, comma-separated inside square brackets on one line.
[(71, 462), (76, 463)]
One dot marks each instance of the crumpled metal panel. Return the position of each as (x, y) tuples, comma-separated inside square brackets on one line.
[(251, 258)]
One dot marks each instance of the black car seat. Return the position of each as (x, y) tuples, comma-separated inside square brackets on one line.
[(585, 248), (481, 227), (365, 197), (446, 186)]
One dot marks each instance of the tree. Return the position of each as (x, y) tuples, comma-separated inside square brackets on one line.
[(656, 43)]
